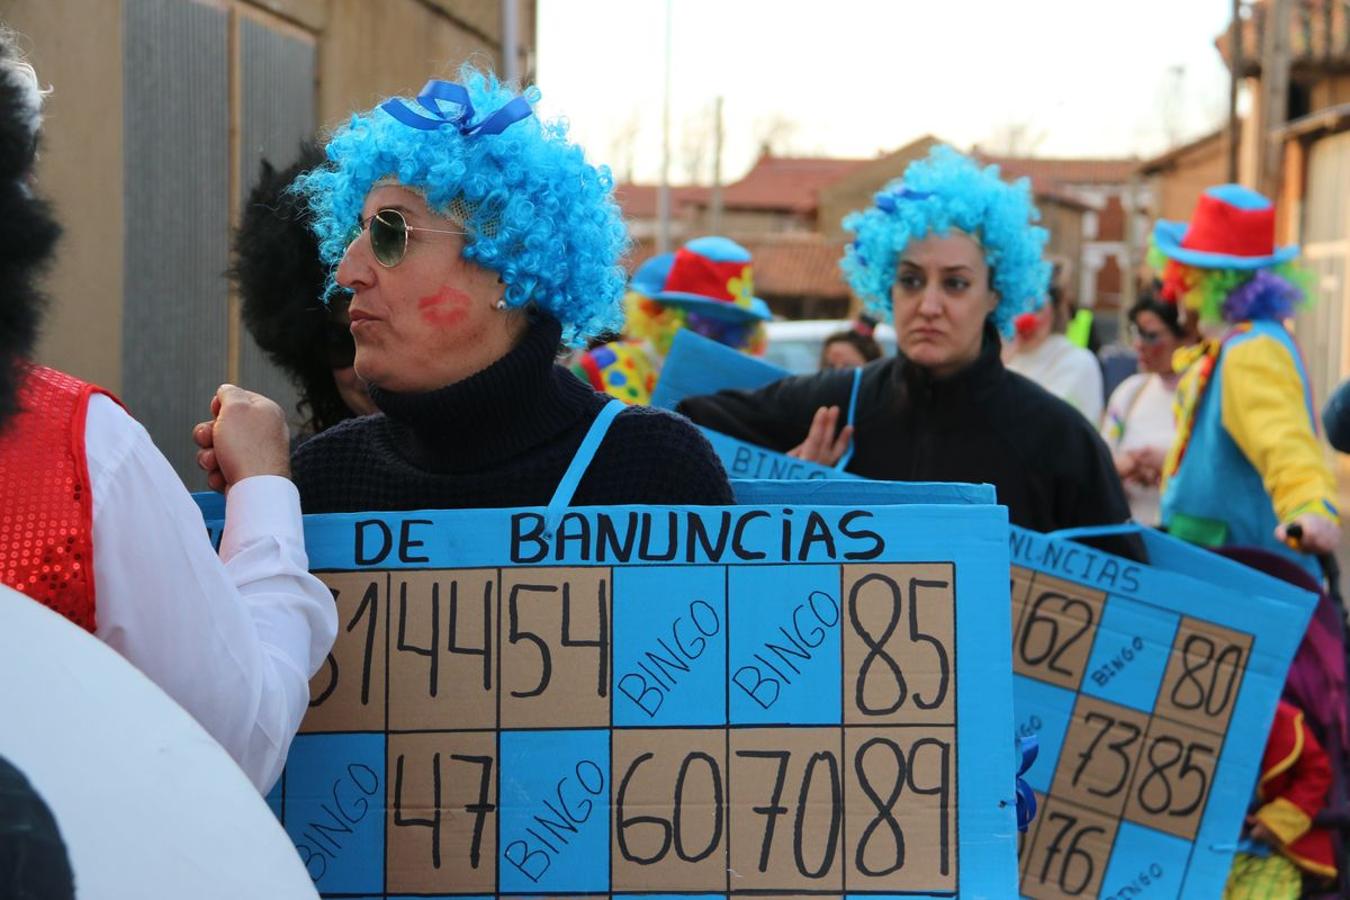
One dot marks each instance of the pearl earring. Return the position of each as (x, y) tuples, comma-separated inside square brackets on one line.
[(501, 304)]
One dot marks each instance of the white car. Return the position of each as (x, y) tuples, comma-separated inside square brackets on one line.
[(795, 345)]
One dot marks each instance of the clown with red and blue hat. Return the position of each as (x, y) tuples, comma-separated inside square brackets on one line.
[(1246, 464), (706, 286)]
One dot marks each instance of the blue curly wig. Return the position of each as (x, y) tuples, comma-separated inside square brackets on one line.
[(946, 191), (538, 214)]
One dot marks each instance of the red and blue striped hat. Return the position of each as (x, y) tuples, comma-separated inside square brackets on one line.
[(1232, 227), (712, 276)]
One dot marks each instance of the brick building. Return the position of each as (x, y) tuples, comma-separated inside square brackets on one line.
[(1114, 229), (791, 209)]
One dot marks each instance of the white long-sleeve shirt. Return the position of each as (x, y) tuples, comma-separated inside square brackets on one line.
[(233, 638), (1069, 372)]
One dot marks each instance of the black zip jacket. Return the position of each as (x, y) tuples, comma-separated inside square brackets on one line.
[(982, 425)]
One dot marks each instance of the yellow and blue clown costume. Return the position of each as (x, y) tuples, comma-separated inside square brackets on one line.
[(707, 286), (1246, 456)]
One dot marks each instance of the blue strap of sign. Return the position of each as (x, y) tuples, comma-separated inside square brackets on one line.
[(562, 497), (852, 409), (1092, 531)]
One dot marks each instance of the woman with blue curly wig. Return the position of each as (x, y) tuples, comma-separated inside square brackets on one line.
[(951, 253), (470, 241)]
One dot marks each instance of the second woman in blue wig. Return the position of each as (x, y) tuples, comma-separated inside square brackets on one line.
[(473, 241), (951, 253)]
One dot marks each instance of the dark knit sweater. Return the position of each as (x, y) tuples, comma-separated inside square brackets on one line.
[(503, 438)]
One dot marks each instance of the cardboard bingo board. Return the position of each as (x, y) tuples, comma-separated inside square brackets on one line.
[(1151, 692), (756, 699)]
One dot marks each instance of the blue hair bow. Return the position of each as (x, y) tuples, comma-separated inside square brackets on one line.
[(436, 92), (1026, 797), (887, 202)]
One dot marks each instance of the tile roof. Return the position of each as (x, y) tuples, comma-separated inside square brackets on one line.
[(792, 184), (786, 183), (797, 265), (638, 201)]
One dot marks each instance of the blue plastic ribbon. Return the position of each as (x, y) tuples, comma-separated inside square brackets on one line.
[(435, 93), (844, 460), (887, 202), (1026, 797)]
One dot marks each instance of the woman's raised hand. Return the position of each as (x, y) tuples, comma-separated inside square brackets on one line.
[(822, 445)]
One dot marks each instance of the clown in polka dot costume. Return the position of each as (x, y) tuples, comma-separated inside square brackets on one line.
[(707, 286)]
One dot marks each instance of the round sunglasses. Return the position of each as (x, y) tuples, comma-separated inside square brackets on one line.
[(389, 235)]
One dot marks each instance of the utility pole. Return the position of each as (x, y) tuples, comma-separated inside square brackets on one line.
[(1274, 94), (1129, 201), (716, 200), (1235, 65), (663, 193)]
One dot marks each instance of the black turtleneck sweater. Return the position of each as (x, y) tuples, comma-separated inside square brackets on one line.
[(503, 438), (982, 425)]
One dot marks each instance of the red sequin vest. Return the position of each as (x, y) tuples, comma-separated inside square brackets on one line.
[(46, 511)]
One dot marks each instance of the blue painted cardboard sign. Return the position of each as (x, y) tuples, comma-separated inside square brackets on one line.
[(764, 698), (1151, 689), (698, 365), (746, 461)]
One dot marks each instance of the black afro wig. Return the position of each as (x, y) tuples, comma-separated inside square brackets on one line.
[(281, 282), (28, 231)]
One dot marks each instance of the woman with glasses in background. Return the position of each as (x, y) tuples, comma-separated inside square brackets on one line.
[(1139, 423), (474, 242)]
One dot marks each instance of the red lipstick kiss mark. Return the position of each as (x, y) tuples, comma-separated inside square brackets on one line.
[(446, 308)]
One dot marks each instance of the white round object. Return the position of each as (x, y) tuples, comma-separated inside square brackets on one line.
[(148, 804)]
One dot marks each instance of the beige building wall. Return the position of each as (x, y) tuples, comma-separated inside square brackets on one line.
[(367, 50), (80, 172), (1065, 247), (1247, 140), (1332, 90), (1177, 188)]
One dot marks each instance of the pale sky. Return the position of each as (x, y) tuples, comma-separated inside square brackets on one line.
[(857, 77)]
